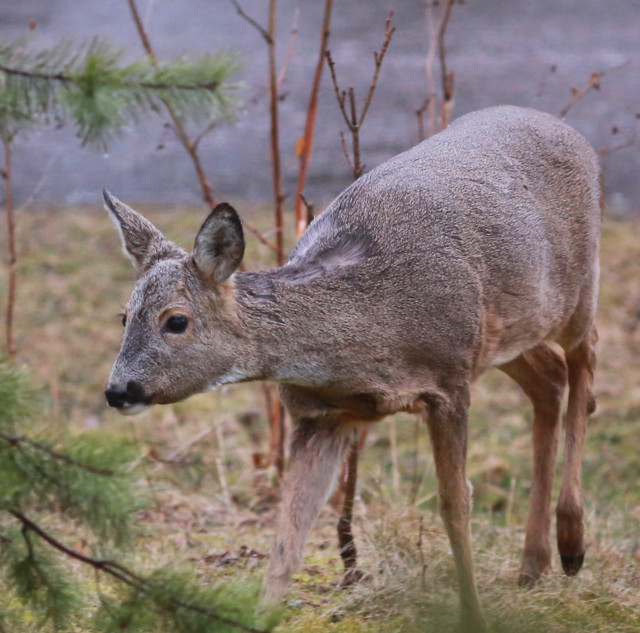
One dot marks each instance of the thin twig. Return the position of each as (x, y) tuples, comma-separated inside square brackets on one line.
[(378, 57), (45, 174), (351, 117), (190, 146), (290, 49), (11, 239), (265, 34), (276, 169), (306, 148), (207, 189), (593, 83)]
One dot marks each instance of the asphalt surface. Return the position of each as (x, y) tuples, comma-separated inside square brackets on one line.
[(502, 51)]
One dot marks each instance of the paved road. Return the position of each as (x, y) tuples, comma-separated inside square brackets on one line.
[(501, 51)]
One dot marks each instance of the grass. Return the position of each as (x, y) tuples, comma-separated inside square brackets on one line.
[(212, 512)]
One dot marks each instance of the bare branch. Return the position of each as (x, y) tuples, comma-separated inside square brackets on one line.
[(351, 117), (276, 168), (13, 257), (340, 94), (45, 174), (310, 123), (268, 37), (378, 57), (593, 83), (205, 185), (292, 44)]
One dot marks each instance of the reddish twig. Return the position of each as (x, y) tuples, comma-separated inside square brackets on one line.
[(191, 147), (436, 33), (351, 117), (593, 83), (11, 245), (306, 145), (276, 169), (290, 49), (265, 34)]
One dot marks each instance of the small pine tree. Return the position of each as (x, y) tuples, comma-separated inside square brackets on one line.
[(88, 487)]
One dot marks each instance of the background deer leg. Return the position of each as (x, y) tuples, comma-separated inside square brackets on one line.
[(448, 432), (542, 374), (348, 482), (581, 362), (317, 450)]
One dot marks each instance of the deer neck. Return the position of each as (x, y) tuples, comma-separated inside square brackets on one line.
[(280, 324)]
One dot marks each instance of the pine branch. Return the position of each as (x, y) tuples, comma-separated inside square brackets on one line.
[(125, 575), (93, 88), (18, 441)]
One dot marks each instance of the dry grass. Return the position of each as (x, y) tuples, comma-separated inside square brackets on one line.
[(73, 282)]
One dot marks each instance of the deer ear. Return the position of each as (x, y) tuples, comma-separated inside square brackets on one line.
[(219, 245), (142, 243)]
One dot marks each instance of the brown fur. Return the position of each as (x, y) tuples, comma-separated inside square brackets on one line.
[(477, 248)]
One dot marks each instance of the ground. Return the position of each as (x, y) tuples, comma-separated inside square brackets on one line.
[(210, 509)]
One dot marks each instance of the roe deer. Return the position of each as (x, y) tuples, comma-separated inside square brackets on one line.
[(477, 248)]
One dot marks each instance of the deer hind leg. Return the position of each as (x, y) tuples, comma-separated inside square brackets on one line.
[(448, 431), (317, 450), (348, 482), (581, 362), (542, 374)]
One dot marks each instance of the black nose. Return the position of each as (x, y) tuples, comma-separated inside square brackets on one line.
[(119, 396)]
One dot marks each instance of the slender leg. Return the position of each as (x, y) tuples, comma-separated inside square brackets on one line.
[(448, 432), (581, 362), (542, 374), (347, 543), (317, 450)]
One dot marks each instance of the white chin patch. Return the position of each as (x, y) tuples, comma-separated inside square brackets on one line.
[(133, 409)]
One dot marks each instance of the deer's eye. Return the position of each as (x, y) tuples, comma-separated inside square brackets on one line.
[(124, 319), (177, 324)]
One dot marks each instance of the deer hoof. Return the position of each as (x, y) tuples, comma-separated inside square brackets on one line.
[(572, 564)]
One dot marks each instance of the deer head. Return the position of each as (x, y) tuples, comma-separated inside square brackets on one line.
[(181, 331)]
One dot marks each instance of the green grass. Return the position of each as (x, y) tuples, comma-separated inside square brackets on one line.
[(74, 281)]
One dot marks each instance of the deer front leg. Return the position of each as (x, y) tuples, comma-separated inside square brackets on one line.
[(317, 450), (448, 432)]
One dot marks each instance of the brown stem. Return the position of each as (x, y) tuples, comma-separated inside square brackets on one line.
[(268, 37), (351, 117), (276, 170), (13, 258), (290, 49), (207, 189), (378, 57), (310, 124)]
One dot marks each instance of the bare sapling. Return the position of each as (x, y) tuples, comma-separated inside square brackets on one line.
[(478, 248), (352, 117), (190, 145), (349, 475), (437, 16), (305, 143), (11, 249)]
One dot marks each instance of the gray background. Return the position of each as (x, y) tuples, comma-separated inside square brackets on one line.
[(500, 50)]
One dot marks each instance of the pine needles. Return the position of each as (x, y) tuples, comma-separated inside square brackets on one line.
[(87, 486), (90, 86)]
